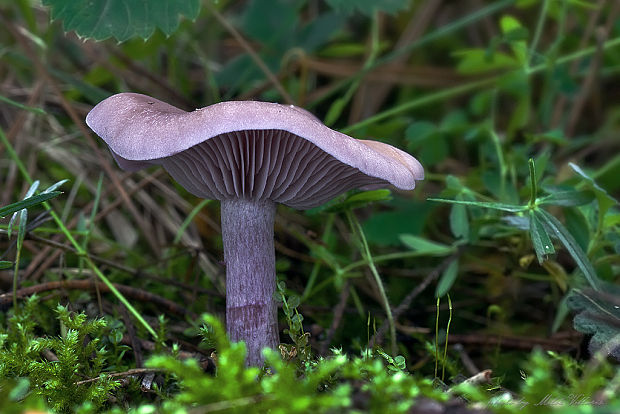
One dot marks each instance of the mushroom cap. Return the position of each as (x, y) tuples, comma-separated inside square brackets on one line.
[(248, 149)]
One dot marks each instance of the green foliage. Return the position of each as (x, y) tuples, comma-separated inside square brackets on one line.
[(300, 349), (78, 355), (369, 6), (335, 383), (16, 398), (472, 95), (598, 314), (542, 225), (28, 202), (540, 392), (121, 19)]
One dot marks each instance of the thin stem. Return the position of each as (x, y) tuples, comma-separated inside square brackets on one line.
[(317, 265), (533, 189), (503, 170), (437, 337), (539, 26), (357, 229), (15, 274), (189, 219), (445, 348)]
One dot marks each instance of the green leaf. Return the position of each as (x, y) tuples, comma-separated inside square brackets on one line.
[(426, 141), (121, 19), (419, 131), (425, 247), (361, 199), (577, 225), (270, 21), (447, 279), (473, 61), (571, 245), (512, 29), (27, 203), (540, 239), (384, 227), (533, 182), (605, 201), (598, 315), (54, 186), (5, 264), (512, 208), (567, 198), (368, 7), (335, 110), (459, 224)]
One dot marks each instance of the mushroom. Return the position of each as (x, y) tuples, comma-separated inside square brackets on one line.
[(249, 155)]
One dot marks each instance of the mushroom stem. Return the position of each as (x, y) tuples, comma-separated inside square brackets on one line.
[(251, 314)]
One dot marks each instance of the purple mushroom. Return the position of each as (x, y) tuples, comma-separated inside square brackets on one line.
[(250, 156)]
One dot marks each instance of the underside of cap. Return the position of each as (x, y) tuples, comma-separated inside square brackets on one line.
[(266, 164), (248, 149)]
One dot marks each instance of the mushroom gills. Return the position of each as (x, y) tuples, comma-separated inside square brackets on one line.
[(265, 165)]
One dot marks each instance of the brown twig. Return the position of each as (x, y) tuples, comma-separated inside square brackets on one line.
[(42, 261), (160, 302), (127, 269), (131, 332), (371, 95), (338, 312), (516, 342), (587, 84), (246, 46), (134, 371)]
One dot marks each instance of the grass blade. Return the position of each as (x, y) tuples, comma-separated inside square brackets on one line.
[(570, 244), (513, 208), (27, 203)]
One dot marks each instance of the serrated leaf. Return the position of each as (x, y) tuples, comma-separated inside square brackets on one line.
[(540, 239), (447, 279), (121, 19), (598, 315), (425, 247)]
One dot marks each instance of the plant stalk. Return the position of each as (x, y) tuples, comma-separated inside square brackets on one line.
[(249, 254)]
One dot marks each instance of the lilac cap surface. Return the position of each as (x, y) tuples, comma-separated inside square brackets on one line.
[(248, 149)]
